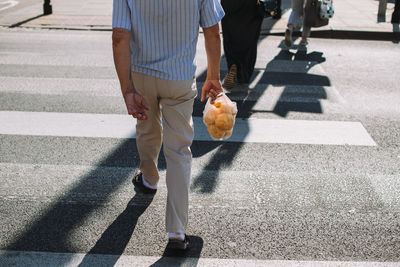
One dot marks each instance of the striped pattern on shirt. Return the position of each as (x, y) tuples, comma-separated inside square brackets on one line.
[(165, 33)]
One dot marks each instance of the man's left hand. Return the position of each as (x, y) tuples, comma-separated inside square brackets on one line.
[(211, 88)]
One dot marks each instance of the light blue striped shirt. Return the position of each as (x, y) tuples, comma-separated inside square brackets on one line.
[(165, 33)]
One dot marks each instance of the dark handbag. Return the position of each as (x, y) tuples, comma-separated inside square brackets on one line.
[(312, 16), (268, 8)]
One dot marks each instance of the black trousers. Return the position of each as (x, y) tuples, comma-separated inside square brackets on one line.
[(396, 12), (240, 30)]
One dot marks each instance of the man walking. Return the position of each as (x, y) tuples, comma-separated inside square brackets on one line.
[(154, 46)]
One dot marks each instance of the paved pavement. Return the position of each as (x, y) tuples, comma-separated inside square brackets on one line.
[(357, 16)]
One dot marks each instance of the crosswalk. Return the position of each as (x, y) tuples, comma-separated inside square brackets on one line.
[(271, 195)]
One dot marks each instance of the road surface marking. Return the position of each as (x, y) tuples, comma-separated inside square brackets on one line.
[(8, 4), (27, 258), (246, 130)]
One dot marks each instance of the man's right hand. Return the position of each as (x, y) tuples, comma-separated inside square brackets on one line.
[(134, 102), (136, 105)]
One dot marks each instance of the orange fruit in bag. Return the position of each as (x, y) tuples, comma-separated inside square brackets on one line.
[(219, 117), (215, 132), (210, 116), (224, 121), (233, 110), (223, 109), (217, 104)]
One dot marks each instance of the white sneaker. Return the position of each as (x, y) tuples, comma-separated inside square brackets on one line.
[(303, 43), (288, 37)]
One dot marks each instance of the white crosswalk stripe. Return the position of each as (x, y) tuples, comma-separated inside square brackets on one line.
[(51, 259), (246, 130), (5, 4)]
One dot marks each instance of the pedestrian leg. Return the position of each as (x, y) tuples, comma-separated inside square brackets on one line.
[(177, 107), (148, 132), (396, 12)]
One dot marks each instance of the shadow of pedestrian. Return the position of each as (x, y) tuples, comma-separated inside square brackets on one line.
[(26, 21), (52, 229), (188, 258), (116, 237), (207, 180), (302, 91)]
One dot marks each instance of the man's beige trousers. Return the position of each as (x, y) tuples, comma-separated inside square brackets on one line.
[(170, 123)]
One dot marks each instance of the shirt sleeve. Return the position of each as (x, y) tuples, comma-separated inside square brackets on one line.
[(121, 17), (211, 13)]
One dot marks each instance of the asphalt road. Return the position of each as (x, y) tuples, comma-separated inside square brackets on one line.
[(286, 201)]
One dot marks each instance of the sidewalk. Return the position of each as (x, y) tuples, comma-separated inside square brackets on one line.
[(355, 16)]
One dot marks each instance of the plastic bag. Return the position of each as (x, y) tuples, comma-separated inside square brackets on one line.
[(220, 117)]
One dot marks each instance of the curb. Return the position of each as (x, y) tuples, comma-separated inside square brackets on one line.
[(345, 34), (355, 34)]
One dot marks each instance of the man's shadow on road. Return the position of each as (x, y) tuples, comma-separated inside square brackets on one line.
[(116, 237), (189, 257)]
